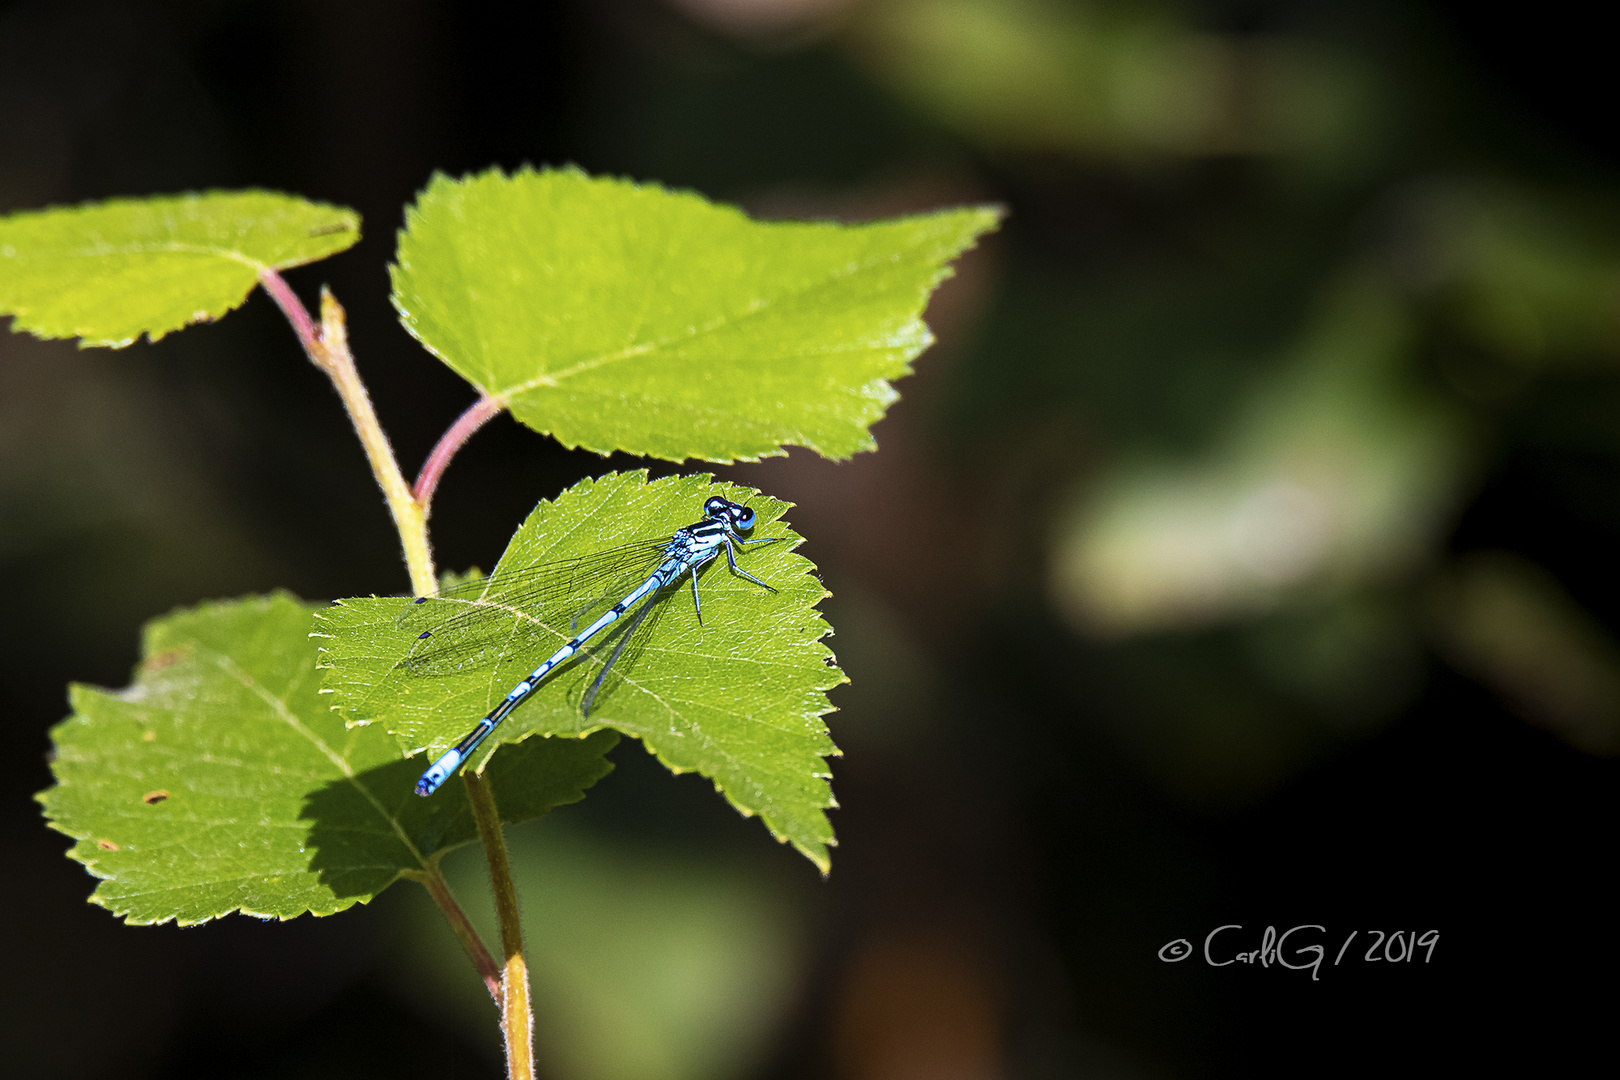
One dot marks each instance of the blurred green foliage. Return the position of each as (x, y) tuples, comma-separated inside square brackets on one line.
[(648, 964), (1261, 373), (1135, 82)]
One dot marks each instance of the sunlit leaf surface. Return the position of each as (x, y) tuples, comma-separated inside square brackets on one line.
[(108, 272), (738, 699), (222, 780), (618, 316)]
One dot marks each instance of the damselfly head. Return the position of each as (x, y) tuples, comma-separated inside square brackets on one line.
[(740, 517)]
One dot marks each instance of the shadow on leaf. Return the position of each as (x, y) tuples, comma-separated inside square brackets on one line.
[(364, 830)]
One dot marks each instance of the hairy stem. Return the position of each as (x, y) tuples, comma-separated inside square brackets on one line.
[(477, 415), (517, 1017), (439, 889), (327, 347), (309, 335)]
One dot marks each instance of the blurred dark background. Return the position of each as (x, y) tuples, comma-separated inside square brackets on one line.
[(1240, 555)]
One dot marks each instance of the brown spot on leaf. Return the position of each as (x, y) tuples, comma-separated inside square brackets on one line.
[(152, 798), (159, 661), (106, 845)]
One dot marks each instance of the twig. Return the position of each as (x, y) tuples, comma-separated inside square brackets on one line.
[(327, 347), (439, 889), (455, 437), (517, 1016)]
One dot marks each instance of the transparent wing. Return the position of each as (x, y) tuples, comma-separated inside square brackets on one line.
[(485, 621), (619, 661), (612, 662)]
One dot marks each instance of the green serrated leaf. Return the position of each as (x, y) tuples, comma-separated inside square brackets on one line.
[(618, 316), (222, 780), (108, 272), (738, 699)]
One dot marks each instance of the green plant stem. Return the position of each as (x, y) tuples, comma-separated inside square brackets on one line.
[(327, 347), (433, 881), (517, 1016)]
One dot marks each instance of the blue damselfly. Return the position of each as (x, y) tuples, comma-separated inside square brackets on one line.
[(488, 614)]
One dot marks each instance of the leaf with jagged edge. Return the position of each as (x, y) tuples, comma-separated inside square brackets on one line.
[(222, 781), (739, 698), (108, 272), (622, 316)]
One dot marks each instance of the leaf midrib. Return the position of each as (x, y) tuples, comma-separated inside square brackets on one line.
[(279, 707), (723, 321), (176, 246)]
